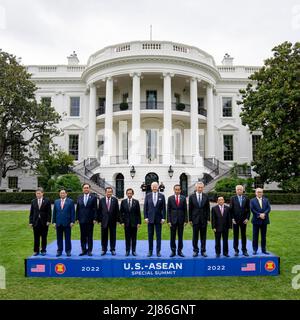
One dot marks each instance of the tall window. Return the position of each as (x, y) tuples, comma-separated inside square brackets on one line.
[(46, 101), (13, 182), (101, 146), (202, 145), (177, 98), (228, 147), (75, 106), (125, 145), (151, 144), (255, 140), (151, 99), (125, 97), (74, 145), (227, 106), (177, 145)]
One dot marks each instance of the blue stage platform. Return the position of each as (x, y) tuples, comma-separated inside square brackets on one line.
[(141, 266)]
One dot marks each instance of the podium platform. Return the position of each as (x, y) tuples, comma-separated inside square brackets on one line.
[(141, 266)]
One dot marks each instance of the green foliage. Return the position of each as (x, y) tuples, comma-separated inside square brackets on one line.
[(228, 184), (25, 125), (271, 105), (68, 181), (291, 185)]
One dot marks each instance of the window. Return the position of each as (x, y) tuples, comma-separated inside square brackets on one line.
[(75, 107), (151, 144), (125, 97), (202, 145), (13, 182), (228, 147), (201, 109), (74, 145), (255, 140), (177, 98), (101, 146), (151, 97), (46, 101), (125, 145), (177, 145), (258, 183), (227, 107)]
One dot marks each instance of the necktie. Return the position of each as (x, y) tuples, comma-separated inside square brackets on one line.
[(108, 203), (222, 210), (240, 200), (199, 199), (85, 199), (62, 202), (155, 198), (177, 200), (39, 203), (129, 204), (260, 202)]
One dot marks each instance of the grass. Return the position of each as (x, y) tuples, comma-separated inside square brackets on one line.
[(16, 244)]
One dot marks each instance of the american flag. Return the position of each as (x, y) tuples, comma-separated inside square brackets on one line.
[(38, 268), (248, 267)]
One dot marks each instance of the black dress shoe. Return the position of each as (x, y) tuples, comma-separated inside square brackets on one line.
[(113, 252), (181, 254), (246, 254), (43, 253), (58, 254), (35, 254), (204, 255), (82, 254), (236, 254), (127, 254), (254, 253), (226, 255), (158, 254), (103, 253), (89, 254), (149, 254), (265, 252), (195, 254), (68, 254), (134, 253), (218, 255), (172, 254)]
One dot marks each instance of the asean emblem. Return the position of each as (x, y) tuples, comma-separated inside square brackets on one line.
[(270, 266), (60, 268)]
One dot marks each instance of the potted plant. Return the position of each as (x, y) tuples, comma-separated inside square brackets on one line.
[(123, 105), (180, 106)]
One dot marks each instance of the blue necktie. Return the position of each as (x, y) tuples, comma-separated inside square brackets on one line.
[(240, 200)]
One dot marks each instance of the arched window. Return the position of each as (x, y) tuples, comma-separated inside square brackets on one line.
[(119, 186)]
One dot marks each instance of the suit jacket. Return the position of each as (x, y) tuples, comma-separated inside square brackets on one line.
[(130, 217), (65, 216), (177, 214), (110, 217), (240, 213), (199, 214), (155, 213), (257, 210), (219, 222), (88, 213), (44, 213)]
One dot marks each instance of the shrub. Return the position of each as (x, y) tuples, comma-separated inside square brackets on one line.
[(69, 181), (228, 184)]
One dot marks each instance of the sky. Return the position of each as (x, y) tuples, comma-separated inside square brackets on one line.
[(47, 31)]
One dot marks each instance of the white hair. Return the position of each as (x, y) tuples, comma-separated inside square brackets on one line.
[(239, 186), (154, 183), (199, 183)]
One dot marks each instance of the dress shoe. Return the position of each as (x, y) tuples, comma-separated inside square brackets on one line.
[(246, 254), (254, 253), (58, 254), (195, 254), (113, 252), (265, 252), (89, 254), (127, 254), (134, 253), (204, 255), (149, 254), (172, 254), (236, 254), (103, 253), (82, 254), (181, 254), (68, 254), (43, 253), (35, 254), (158, 254), (226, 255), (217, 255)]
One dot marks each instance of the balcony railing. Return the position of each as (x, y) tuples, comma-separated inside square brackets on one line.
[(119, 160), (100, 111), (179, 159), (181, 107), (202, 111), (122, 107), (148, 159), (155, 105)]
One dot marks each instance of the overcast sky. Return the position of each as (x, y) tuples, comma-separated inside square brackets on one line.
[(47, 31)]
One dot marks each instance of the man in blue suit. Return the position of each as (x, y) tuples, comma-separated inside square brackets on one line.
[(260, 208), (155, 216), (86, 215), (63, 220)]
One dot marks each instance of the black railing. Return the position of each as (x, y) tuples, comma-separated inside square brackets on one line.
[(100, 111), (122, 106), (202, 111), (181, 107), (152, 105)]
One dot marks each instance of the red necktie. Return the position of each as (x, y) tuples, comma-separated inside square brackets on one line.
[(177, 201), (62, 204)]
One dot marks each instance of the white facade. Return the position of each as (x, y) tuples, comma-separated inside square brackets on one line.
[(152, 134)]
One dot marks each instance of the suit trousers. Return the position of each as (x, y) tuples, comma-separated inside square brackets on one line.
[(203, 230), (224, 236), (176, 228), (60, 232), (112, 229), (86, 236), (40, 234), (130, 237), (151, 234), (236, 228), (263, 233)]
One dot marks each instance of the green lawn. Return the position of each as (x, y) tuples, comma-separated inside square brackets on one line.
[(16, 244)]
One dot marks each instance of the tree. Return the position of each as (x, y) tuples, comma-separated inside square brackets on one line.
[(69, 181), (26, 127), (271, 105)]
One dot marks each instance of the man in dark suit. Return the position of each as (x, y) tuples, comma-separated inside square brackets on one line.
[(199, 216), (260, 208), (240, 215), (177, 218), (63, 220), (39, 220), (221, 223), (86, 215), (108, 216), (155, 216), (131, 220)]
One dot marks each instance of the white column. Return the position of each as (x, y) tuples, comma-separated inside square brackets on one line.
[(135, 150), (167, 132), (210, 122), (194, 123), (108, 130), (92, 122)]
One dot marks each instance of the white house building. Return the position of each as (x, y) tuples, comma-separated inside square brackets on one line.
[(144, 111)]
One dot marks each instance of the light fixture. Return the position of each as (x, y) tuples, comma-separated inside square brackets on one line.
[(132, 172), (170, 171)]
